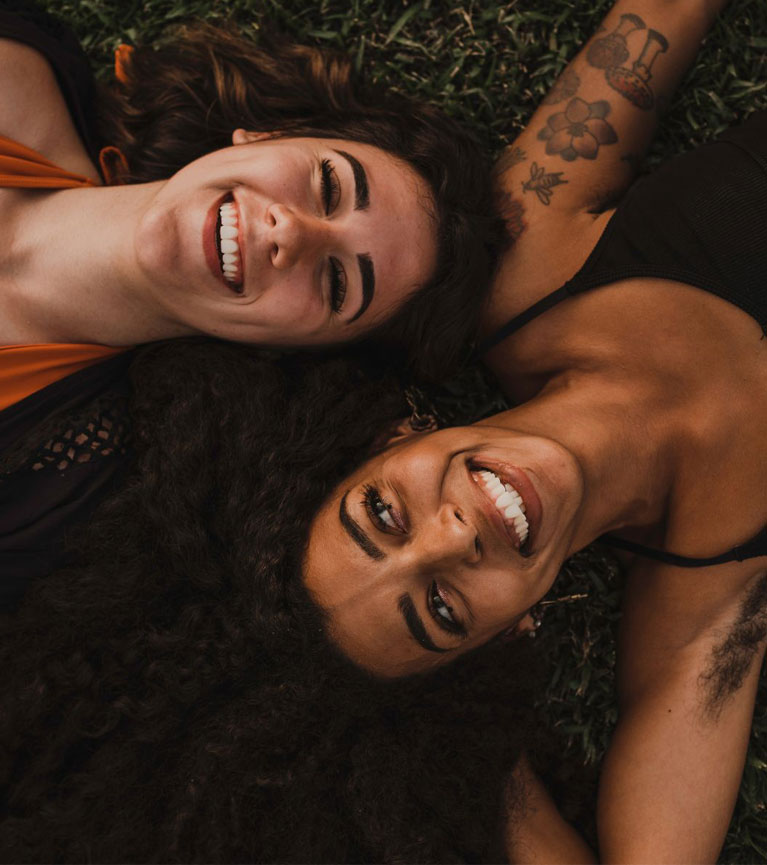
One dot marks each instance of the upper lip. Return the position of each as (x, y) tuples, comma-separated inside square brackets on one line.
[(517, 478)]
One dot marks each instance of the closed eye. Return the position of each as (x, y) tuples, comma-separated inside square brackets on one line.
[(331, 187), (337, 278)]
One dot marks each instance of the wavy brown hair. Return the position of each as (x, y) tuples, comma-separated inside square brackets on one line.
[(183, 99), (172, 697)]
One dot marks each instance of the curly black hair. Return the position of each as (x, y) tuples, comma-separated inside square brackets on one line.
[(184, 97), (173, 696)]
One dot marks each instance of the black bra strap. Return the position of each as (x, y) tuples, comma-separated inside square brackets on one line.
[(757, 546), (538, 308)]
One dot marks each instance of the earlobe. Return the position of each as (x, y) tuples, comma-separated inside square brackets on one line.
[(242, 136)]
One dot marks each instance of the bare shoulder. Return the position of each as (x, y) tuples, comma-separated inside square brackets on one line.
[(33, 110)]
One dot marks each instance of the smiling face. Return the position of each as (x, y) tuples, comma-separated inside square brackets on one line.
[(288, 241), (441, 543)]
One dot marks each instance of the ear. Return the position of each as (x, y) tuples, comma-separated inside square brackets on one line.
[(525, 627), (242, 136), (396, 433)]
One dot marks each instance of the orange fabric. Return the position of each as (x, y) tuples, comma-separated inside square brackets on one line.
[(21, 166), (25, 369)]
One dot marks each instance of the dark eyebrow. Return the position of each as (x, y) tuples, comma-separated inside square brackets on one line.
[(361, 192), (368, 284), (357, 534), (415, 625)]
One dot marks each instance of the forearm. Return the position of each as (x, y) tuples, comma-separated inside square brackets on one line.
[(619, 82)]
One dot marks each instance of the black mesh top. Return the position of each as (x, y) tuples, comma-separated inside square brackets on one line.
[(700, 219)]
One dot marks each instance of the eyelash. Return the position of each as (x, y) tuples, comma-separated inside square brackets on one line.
[(331, 195), (433, 601), (375, 506), (331, 188)]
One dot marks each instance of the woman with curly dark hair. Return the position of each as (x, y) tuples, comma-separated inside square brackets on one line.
[(173, 696)]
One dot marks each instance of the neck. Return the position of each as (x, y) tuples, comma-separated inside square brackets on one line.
[(627, 465), (69, 272)]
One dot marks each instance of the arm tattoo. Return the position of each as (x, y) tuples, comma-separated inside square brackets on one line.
[(565, 87), (510, 157), (732, 658), (541, 183), (611, 52), (578, 130)]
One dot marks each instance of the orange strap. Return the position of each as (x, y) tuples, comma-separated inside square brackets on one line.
[(21, 166), (25, 369)]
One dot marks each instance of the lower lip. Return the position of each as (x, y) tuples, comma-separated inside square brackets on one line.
[(209, 242), (513, 475)]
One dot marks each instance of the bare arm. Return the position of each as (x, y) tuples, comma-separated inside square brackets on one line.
[(536, 833), (33, 111), (582, 145), (687, 691)]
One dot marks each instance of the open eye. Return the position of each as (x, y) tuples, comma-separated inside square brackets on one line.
[(442, 613), (331, 188), (379, 510)]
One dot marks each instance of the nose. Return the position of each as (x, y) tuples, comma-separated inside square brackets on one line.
[(294, 234), (448, 539)]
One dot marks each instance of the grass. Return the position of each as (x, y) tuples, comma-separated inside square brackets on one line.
[(489, 64)]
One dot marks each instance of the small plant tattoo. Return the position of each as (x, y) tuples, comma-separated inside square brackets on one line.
[(565, 87), (510, 157), (578, 130), (542, 183)]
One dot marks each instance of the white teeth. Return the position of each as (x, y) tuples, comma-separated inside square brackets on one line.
[(227, 237), (508, 501)]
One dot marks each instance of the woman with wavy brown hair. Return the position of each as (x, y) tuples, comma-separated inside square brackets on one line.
[(245, 192)]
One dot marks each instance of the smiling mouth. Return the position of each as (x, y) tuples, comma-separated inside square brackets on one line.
[(227, 244), (509, 504)]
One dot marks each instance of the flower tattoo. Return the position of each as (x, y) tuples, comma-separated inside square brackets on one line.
[(578, 130)]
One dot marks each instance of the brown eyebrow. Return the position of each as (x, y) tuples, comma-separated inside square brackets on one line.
[(361, 191), (415, 624), (357, 533)]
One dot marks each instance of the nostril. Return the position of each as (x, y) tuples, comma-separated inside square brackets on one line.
[(275, 251), (459, 516)]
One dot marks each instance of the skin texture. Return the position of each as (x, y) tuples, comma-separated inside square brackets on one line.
[(52, 271)]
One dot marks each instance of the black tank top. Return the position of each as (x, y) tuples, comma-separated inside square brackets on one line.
[(700, 219)]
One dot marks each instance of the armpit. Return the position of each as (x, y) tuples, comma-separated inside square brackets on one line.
[(731, 659)]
